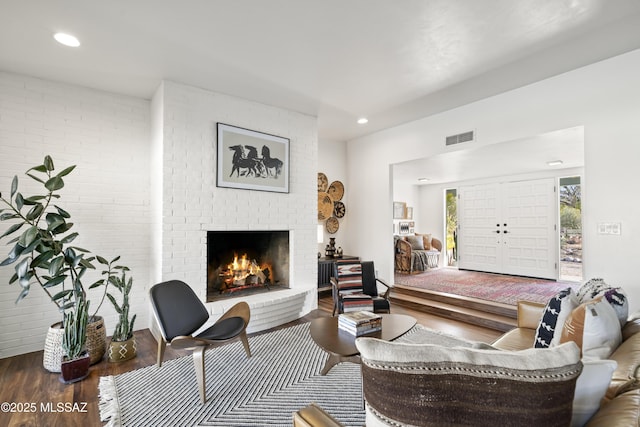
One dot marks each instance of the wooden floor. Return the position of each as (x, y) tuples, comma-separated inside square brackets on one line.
[(35, 397)]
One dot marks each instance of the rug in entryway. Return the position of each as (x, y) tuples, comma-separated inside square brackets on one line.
[(486, 286)]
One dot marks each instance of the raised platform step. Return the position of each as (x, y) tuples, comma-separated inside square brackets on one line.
[(501, 317)]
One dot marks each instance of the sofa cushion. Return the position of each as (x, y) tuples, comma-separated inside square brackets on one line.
[(594, 327), (416, 242), (408, 384), (630, 328), (556, 311), (623, 411), (516, 339), (591, 386), (426, 241), (627, 355)]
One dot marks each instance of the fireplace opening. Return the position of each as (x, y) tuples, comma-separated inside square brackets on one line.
[(241, 262)]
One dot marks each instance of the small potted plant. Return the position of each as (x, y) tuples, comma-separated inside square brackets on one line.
[(76, 361), (123, 343)]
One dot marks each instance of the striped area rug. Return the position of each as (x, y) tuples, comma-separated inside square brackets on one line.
[(282, 376)]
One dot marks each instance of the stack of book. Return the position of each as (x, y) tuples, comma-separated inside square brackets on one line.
[(360, 322)]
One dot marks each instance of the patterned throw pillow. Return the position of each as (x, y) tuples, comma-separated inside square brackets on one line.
[(557, 310), (596, 288), (591, 289), (426, 384), (349, 276)]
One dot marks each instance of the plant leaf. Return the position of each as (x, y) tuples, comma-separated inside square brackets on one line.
[(66, 171), (56, 280), (19, 201), (53, 184), (70, 238), (22, 267), (35, 212), (42, 260), (115, 304), (15, 253), (14, 185), (23, 293), (12, 229), (35, 177), (28, 236), (8, 215), (48, 163), (61, 294), (62, 212), (102, 260)]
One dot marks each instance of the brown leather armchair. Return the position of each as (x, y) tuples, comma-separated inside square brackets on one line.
[(410, 259)]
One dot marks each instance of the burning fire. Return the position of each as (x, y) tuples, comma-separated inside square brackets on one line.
[(241, 268)]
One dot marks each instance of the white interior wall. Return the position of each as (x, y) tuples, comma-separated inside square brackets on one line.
[(106, 136), (602, 97), (332, 161)]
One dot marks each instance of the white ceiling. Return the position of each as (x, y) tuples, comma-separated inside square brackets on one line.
[(527, 155), (392, 61)]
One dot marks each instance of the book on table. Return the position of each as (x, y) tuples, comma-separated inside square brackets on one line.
[(360, 322)]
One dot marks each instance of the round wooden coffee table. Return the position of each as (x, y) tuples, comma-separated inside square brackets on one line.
[(341, 345)]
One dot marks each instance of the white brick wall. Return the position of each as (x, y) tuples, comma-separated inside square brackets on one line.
[(192, 204), (146, 169), (107, 137)]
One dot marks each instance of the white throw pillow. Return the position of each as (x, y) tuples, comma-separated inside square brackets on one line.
[(595, 328), (591, 387)]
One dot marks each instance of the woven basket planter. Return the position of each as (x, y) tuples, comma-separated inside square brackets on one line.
[(96, 339), (96, 344), (52, 357), (121, 351)]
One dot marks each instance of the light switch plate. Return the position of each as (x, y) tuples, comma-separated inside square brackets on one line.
[(614, 228)]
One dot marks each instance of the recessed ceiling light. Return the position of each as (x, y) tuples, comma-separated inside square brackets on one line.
[(554, 163), (363, 120), (66, 39), (423, 179)]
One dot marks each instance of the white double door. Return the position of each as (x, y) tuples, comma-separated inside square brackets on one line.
[(509, 228)]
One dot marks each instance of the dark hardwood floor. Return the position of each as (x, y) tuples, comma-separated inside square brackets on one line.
[(32, 396)]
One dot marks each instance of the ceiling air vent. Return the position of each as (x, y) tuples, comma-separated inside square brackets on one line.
[(459, 138)]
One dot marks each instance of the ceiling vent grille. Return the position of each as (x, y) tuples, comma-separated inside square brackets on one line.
[(460, 138)]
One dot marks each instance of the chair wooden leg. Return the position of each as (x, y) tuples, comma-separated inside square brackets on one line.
[(245, 342), (198, 362), (162, 344)]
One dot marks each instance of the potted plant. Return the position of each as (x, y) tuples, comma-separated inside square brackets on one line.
[(76, 361), (43, 255), (123, 344)]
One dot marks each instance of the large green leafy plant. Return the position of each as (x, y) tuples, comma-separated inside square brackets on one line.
[(42, 252)]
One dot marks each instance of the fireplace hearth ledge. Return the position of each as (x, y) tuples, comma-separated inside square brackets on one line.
[(269, 309)]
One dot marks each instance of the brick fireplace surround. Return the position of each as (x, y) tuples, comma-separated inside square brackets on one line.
[(189, 203)]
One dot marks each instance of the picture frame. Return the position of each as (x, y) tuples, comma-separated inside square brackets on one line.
[(399, 210), (251, 160), (409, 213)]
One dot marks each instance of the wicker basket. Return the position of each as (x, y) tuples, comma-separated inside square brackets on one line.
[(121, 351), (52, 357), (96, 339), (96, 344)]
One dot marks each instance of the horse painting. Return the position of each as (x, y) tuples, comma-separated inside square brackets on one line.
[(271, 163), (241, 162)]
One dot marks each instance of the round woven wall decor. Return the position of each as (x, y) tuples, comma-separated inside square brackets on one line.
[(332, 225), (336, 190), (339, 209), (323, 182), (325, 205)]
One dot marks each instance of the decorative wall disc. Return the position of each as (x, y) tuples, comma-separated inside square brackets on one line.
[(339, 209), (325, 205), (323, 182), (332, 225), (336, 190)]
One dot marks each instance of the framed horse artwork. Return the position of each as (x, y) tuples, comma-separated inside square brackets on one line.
[(252, 160)]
